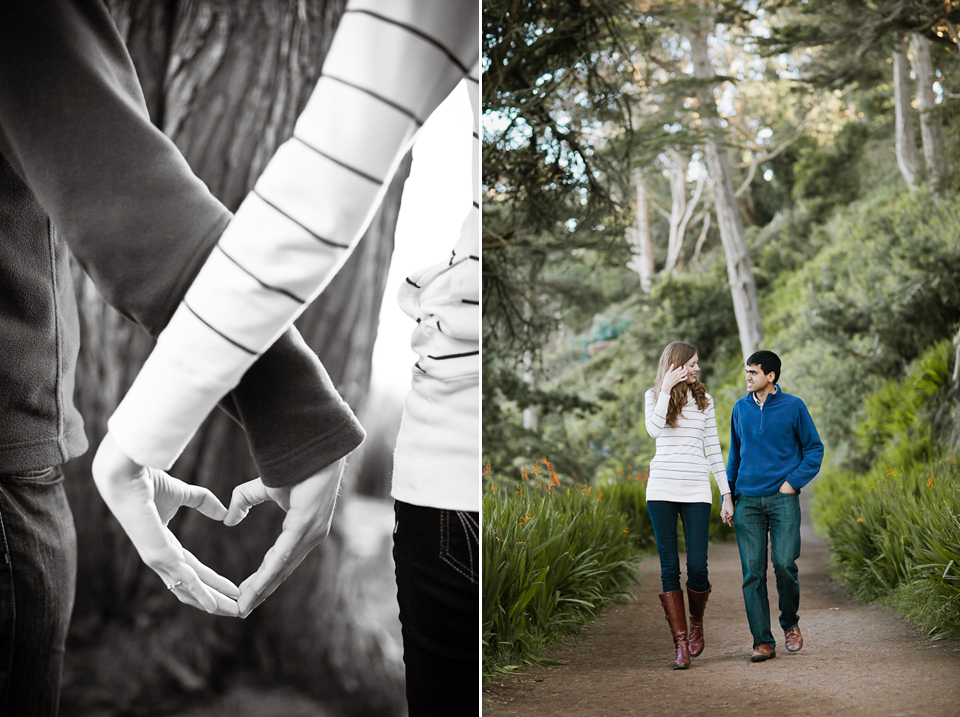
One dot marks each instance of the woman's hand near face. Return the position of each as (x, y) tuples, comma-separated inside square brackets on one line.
[(673, 377)]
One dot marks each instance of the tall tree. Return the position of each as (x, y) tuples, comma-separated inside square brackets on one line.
[(743, 287), (931, 131), (908, 159), (639, 234), (226, 82)]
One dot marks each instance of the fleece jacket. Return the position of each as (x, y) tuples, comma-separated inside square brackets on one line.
[(770, 444)]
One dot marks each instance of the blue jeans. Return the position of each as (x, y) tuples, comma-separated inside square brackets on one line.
[(696, 531), (38, 574), (754, 518), (437, 560)]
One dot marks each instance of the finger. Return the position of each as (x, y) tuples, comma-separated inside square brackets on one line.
[(211, 577), (226, 606), (204, 501), (281, 560), (186, 584), (245, 496)]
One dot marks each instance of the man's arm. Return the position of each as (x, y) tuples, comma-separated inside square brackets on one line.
[(733, 460), (811, 447)]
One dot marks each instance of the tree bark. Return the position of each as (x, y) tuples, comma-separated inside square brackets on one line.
[(226, 81), (743, 287), (642, 261), (931, 131), (908, 158)]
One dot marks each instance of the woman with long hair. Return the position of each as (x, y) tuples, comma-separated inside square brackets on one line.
[(679, 414)]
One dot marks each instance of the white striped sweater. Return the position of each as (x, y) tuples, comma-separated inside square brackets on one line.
[(390, 64), (680, 470)]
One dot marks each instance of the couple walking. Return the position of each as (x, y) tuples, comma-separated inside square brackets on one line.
[(774, 452)]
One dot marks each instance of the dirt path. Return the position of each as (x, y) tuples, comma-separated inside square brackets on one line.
[(856, 660)]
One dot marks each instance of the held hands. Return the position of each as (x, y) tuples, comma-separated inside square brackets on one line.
[(726, 509), (144, 500), (672, 377)]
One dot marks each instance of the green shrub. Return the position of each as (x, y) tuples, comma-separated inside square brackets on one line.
[(896, 536), (553, 557)]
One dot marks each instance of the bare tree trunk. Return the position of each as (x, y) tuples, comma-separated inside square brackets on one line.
[(908, 159), (226, 82), (677, 173), (530, 415), (931, 131), (743, 287), (704, 230), (642, 261)]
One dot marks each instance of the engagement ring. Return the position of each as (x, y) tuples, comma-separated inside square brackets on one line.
[(174, 586)]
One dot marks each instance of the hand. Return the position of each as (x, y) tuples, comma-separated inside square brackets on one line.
[(726, 509), (786, 488), (672, 377), (144, 500), (309, 506)]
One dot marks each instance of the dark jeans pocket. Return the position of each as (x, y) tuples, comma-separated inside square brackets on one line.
[(460, 542), (40, 475)]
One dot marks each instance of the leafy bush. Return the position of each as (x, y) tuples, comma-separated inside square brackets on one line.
[(894, 531), (553, 557), (896, 536), (826, 177)]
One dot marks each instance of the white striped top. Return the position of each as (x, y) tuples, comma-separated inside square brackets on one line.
[(390, 64), (680, 470)]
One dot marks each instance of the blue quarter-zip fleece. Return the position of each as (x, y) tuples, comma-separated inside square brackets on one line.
[(772, 444)]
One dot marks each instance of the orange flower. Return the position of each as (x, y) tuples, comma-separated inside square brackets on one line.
[(930, 483), (859, 520)]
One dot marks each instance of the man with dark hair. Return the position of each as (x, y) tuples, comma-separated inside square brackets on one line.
[(774, 452)]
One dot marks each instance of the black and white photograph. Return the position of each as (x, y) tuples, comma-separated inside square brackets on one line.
[(239, 358)]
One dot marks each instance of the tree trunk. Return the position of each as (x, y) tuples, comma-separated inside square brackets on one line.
[(642, 261), (908, 159), (677, 173), (743, 288), (531, 417), (931, 131), (226, 82)]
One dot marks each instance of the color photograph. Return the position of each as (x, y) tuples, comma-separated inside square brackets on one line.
[(721, 358)]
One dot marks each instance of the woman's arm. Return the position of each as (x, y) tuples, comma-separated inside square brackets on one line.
[(655, 412), (390, 65), (711, 440)]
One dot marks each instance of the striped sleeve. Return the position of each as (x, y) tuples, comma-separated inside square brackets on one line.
[(390, 64), (711, 441), (655, 412)]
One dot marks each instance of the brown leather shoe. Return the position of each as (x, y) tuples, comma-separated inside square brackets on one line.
[(762, 652), (698, 602), (793, 639), (677, 619)]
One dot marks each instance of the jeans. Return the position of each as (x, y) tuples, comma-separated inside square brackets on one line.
[(437, 560), (38, 574), (696, 531), (754, 517)]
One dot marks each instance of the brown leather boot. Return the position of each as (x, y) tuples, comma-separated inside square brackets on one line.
[(698, 601), (677, 619)]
